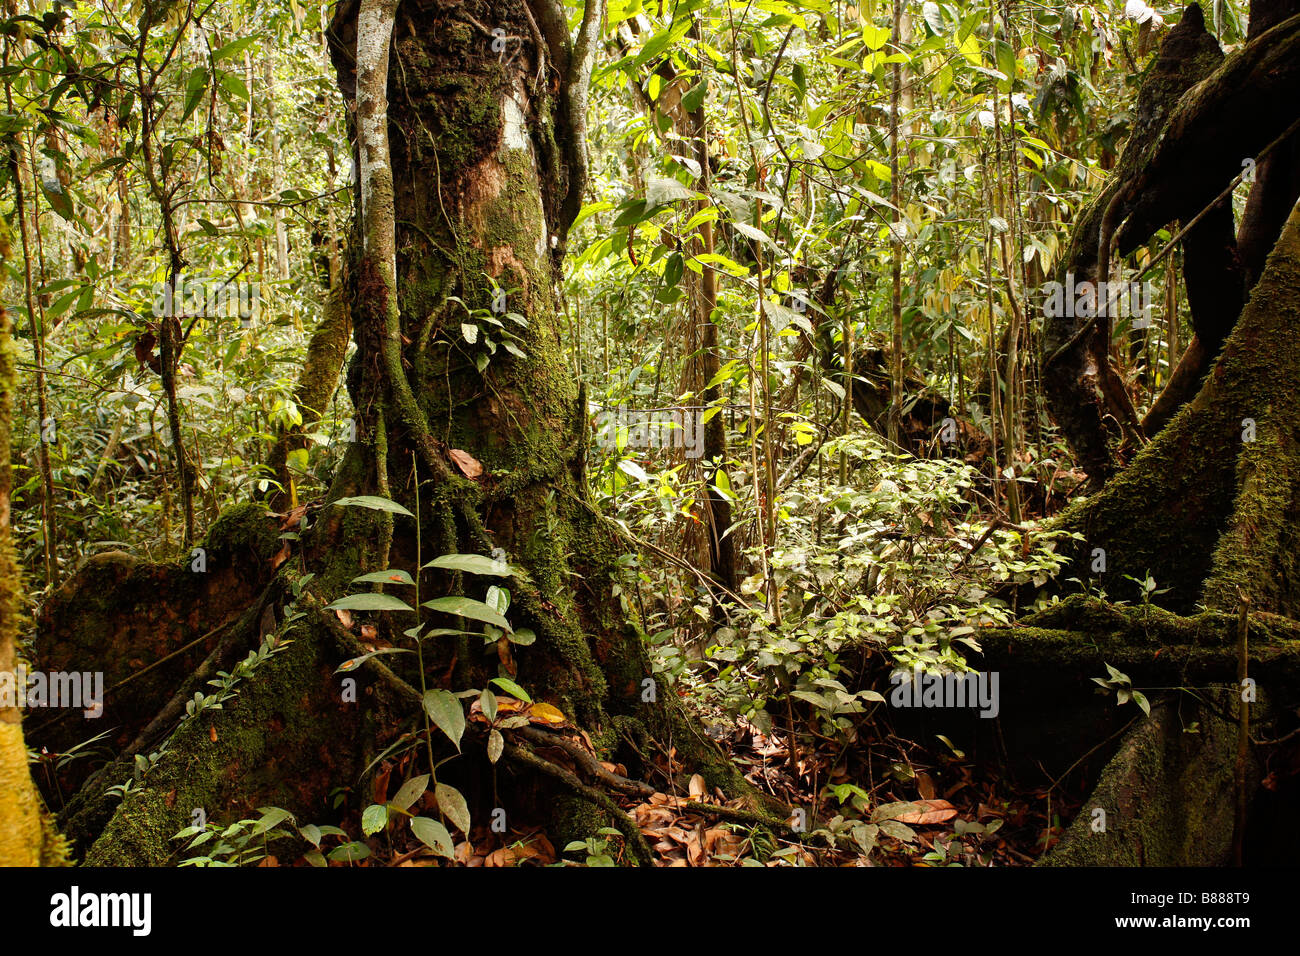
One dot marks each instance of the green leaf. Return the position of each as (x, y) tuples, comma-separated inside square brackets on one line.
[(410, 792), (523, 637), (445, 711), (375, 503), (472, 564), (234, 48), (374, 819), (659, 191), (1006, 60), (194, 88), (433, 835), (452, 803), (693, 98), (391, 576), (468, 607), (353, 663), (874, 37), (369, 602), (349, 852), (511, 688), (496, 745)]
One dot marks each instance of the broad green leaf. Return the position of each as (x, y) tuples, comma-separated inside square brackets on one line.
[(234, 48), (472, 564), (433, 835), (452, 803), (445, 711), (349, 852), (511, 688), (410, 792), (194, 88), (468, 607), (391, 576), (369, 602), (375, 503), (374, 818)]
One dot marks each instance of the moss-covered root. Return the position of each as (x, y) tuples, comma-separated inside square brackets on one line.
[(286, 739), (1165, 799), (1227, 465)]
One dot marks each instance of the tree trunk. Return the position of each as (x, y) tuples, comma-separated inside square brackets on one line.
[(467, 164)]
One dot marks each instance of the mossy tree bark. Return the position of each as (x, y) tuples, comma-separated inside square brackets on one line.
[(1201, 119), (467, 122), (1208, 506)]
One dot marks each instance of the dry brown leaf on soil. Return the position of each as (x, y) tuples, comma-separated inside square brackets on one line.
[(929, 812), (698, 788)]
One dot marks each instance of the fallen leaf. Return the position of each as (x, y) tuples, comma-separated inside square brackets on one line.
[(212, 732), (280, 556), (930, 813), (468, 465), (545, 714), (345, 617), (698, 788)]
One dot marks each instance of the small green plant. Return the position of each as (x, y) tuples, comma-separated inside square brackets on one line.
[(603, 849), (1123, 687)]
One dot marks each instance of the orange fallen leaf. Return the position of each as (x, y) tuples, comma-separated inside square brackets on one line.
[(345, 617), (929, 812)]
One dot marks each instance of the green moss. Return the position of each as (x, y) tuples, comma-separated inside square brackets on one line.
[(242, 534), (1203, 496), (284, 740)]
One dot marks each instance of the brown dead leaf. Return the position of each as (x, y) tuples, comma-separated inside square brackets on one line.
[(931, 812), (345, 617), (292, 519), (925, 786), (505, 657), (467, 464), (698, 788), (380, 790), (280, 556), (212, 732), (369, 632), (695, 847)]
